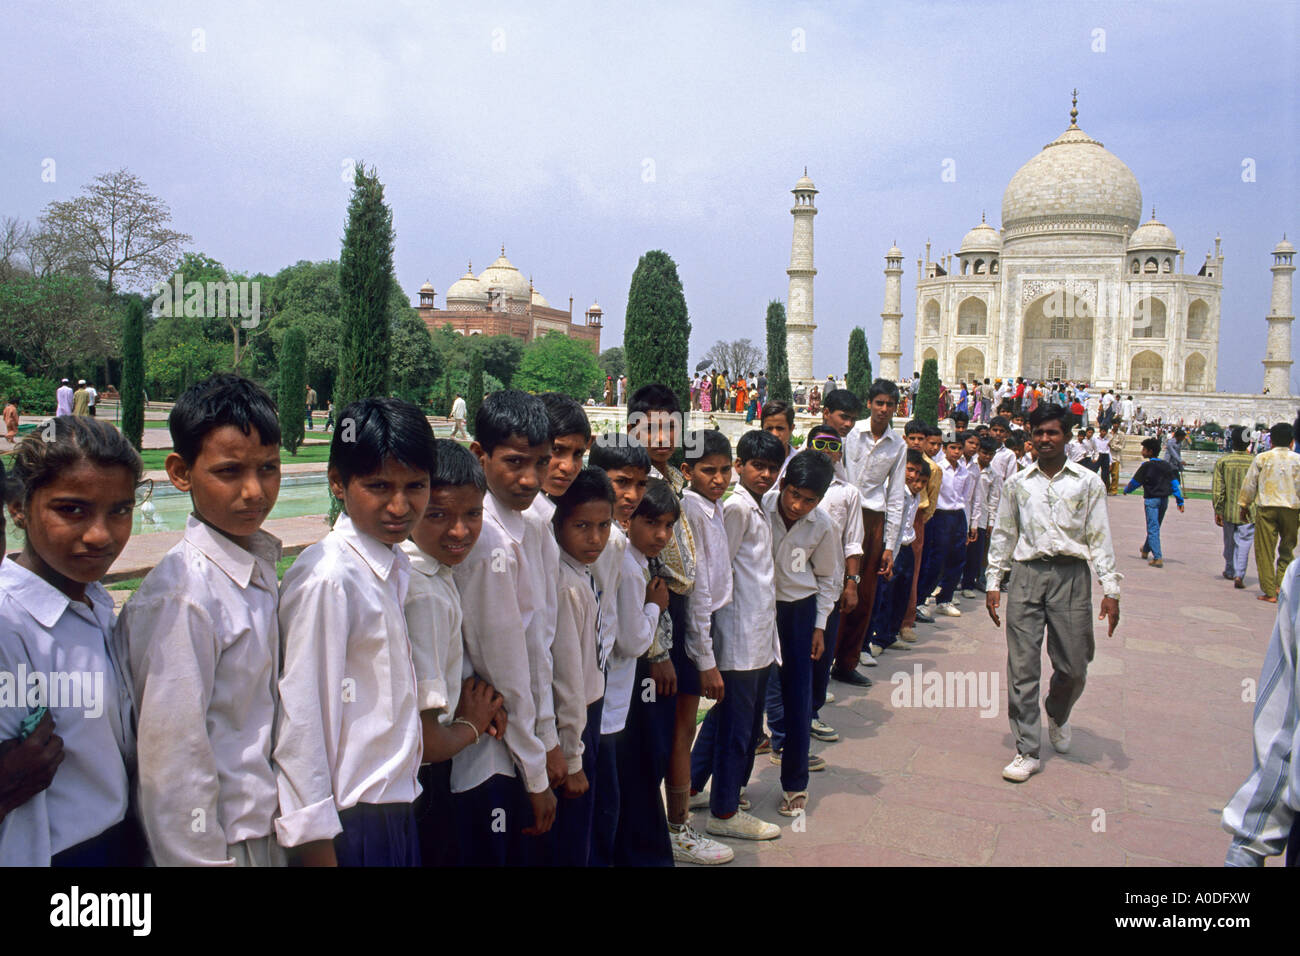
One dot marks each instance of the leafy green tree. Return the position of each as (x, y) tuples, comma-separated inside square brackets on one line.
[(365, 284), (32, 396), (778, 365), (558, 363), (132, 390), (502, 355), (859, 375), (447, 397), (417, 366), (474, 390), (613, 362), (927, 396), (293, 388), (657, 327), (48, 324)]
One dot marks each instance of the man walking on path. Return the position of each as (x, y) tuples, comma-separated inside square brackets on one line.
[(92, 396), (311, 406), (459, 412), (1052, 522), (1238, 536), (63, 399), (1174, 451), (1157, 480), (1272, 484), (80, 399)]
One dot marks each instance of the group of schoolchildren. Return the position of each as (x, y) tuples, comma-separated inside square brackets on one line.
[(496, 656)]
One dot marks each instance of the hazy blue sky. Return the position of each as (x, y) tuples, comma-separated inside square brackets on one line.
[(537, 124)]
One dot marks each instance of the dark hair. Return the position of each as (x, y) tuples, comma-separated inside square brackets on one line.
[(914, 427), (77, 438), (381, 428), (962, 436), (883, 386), (1180, 434), (989, 445), (653, 398), (566, 415), (614, 450), (456, 465), (827, 430), (1279, 435), (1001, 420), (810, 470), (1049, 413), (778, 407), (959, 417), (956, 439), (1016, 440), (701, 444), (842, 400), (1239, 442), (1152, 445), (508, 413), (916, 457), (590, 484), (759, 445), (657, 501), (221, 399), (933, 431)]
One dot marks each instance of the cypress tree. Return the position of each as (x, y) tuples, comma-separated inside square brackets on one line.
[(448, 396), (927, 396), (365, 283), (657, 328), (859, 374), (133, 373), (475, 397), (778, 364), (293, 388)]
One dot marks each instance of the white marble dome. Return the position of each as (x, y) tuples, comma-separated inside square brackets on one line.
[(804, 183), (1074, 178), (466, 289), (983, 238), (503, 275), (1153, 234), (1284, 246), (539, 299)]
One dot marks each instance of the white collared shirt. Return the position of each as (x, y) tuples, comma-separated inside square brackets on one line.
[(988, 493), (608, 570), (744, 631), (538, 557), (637, 621), (955, 489), (1101, 445), (1004, 463), (433, 621), (574, 653), (204, 645), (713, 584), (879, 468), (843, 502), (911, 503), (807, 557), (349, 726), (1074, 450), (1064, 515), (491, 585), (44, 632)]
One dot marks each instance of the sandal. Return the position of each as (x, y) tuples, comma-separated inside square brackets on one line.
[(788, 800)]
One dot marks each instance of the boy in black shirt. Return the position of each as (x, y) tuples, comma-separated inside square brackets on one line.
[(1158, 480)]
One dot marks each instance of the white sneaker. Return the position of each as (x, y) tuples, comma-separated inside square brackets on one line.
[(1059, 735), (968, 593), (830, 697), (950, 610), (876, 650), (866, 659), (691, 847), (907, 635), (1020, 769), (741, 826)]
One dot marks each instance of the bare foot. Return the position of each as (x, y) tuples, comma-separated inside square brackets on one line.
[(1265, 597)]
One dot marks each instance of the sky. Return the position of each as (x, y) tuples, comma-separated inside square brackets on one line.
[(584, 134)]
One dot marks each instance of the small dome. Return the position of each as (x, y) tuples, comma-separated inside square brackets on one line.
[(595, 307), (539, 299), (1153, 234), (804, 183), (466, 289), (894, 252), (503, 275), (1283, 246), (427, 287), (983, 238)]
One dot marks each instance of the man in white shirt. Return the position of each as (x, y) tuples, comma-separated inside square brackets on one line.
[(91, 397), (875, 459), (459, 413), (63, 399), (1052, 522), (951, 522)]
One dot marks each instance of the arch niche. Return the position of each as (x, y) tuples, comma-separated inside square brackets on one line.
[(970, 365), (973, 317), (1198, 321), (1146, 372), (1194, 373), (1058, 328), (932, 319)]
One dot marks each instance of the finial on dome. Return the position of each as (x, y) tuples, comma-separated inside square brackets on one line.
[(1074, 108), (805, 170), (981, 217), (503, 248), (469, 266)]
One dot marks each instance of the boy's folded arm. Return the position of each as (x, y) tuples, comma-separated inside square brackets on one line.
[(633, 631), (423, 624), (174, 649), (699, 607), (570, 685)]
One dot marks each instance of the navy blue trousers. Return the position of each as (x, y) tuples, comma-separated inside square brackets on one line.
[(378, 834), (724, 748), (931, 561), (972, 576), (122, 844), (643, 752), (789, 709), (604, 823), (950, 528), (435, 816), (491, 819), (570, 837), (893, 597), (822, 667)]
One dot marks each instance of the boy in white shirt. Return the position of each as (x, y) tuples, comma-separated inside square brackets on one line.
[(744, 645), (950, 523), (348, 735), (1101, 444), (456, 709), (892, 608), (508, 595), (808, 576), (204, 640), (984, 511)]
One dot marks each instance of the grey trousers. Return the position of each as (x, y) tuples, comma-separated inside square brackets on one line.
[(1056, 598), (1238, 540)]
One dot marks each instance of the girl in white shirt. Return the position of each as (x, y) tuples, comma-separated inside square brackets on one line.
[(56, 627)]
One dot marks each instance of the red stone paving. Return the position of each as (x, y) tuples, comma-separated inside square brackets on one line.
[(1161, 735)]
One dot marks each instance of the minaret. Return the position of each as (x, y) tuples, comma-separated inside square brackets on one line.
[(892, 317), (799, 324), (1277, 354)]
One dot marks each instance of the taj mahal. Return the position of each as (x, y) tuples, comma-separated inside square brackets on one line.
[(1073, 286)]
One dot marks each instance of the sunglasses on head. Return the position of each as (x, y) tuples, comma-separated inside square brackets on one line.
[(825, 443)]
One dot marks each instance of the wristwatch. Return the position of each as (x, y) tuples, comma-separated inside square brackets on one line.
[(855, 578)]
